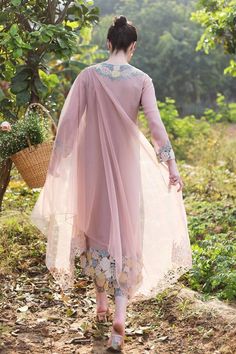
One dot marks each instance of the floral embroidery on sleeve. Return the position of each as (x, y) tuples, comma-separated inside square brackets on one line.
[(166, 152)]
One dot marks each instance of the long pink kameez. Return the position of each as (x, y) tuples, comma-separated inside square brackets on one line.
[(107, 197)]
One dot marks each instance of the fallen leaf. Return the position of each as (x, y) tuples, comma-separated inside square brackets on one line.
[(162, 339), (23, 308)]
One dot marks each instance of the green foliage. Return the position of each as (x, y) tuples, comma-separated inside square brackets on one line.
[(166, 51), (210, 194), (182, 131), (33, 127), (225, 112), (231, 69), (212, 230), (199, 141), (218, 19), (20, 244), (39, 30)]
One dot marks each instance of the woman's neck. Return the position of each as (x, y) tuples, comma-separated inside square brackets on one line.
[(118, 59)]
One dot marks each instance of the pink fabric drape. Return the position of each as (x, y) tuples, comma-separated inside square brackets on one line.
[(105, 187)]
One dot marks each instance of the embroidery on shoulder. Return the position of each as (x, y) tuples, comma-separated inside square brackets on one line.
[(122, 71)]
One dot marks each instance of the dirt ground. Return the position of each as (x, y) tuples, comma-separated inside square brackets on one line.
[(36, 318)]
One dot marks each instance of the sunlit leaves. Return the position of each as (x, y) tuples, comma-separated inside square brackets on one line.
[(50, 80), (218, 17), (231, 70)]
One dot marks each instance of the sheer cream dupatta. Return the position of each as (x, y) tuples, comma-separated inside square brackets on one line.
[(55, 213), (165, 245)]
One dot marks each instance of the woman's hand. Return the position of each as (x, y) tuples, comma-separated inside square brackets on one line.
[(174, 176)]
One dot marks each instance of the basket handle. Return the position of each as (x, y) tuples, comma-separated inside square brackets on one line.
[(45, 111)]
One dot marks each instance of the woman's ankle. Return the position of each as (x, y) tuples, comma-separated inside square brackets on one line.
[(101, 300), (120, 314), (119, 326)]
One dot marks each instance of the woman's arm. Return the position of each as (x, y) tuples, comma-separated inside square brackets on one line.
[(159, 135)]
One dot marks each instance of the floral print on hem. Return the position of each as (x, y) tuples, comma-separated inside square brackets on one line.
[(100, 266)]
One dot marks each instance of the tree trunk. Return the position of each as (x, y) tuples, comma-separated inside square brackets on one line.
[(5, 175)]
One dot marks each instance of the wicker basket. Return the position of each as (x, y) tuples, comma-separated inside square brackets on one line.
[(32, 162)]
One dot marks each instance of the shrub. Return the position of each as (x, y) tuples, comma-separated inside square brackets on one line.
[(211, 227), (34, 127)]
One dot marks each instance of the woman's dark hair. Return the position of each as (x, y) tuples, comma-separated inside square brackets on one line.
[(121, 33)]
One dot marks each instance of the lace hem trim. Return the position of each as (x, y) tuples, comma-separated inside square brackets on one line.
[(66, 281), (169, 280)]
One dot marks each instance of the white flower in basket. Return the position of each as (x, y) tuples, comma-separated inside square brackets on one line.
[(5, 126)]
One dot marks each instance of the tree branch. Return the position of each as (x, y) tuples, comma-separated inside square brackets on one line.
[(63, 13), (52, 6)]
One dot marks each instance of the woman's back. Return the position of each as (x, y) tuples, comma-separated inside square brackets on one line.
[(125, 83)]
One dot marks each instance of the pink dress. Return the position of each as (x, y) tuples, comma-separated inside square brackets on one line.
[(107, 197)]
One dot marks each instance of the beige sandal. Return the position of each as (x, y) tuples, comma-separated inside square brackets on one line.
[(115, 342)]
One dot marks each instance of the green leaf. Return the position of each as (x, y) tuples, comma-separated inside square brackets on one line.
[(20, 68), (19, 86), (21, 76), (41, 89), (84, 9), (92, 18), (72, 25), (3, 17), (45, 38), (94, 11), (14, 29), (17, 53), (49, 80), (62, 43), (16, 2), (50, 33), (2, 95), (35, 34), (22, 98), (53, 79)]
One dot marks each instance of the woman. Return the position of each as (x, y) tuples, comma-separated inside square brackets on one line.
[(110, 196)]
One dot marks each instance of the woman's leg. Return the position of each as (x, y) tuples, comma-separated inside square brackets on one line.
[(121, 302), (101, 294), (101, 298)]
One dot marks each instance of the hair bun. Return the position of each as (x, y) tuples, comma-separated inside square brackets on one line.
[(120, 21)]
